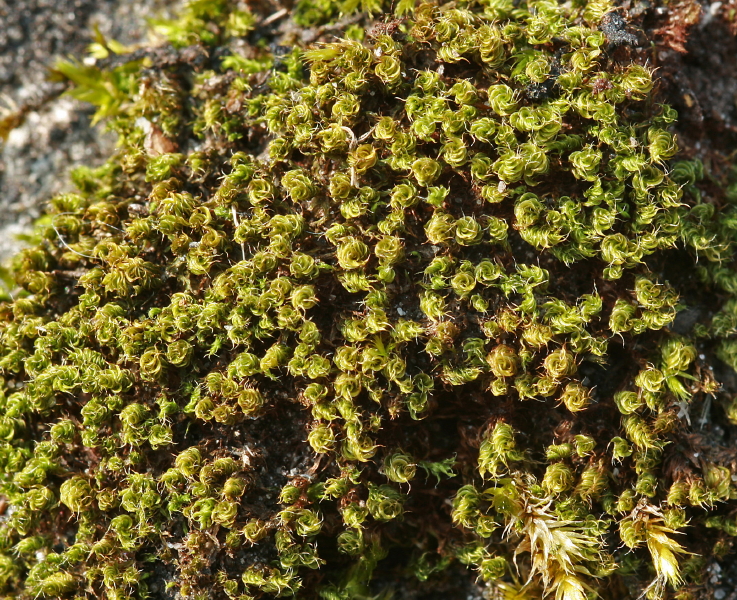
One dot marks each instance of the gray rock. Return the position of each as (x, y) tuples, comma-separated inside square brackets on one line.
[(56, 134)]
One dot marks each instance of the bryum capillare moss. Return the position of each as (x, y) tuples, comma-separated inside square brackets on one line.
[(234, 353)]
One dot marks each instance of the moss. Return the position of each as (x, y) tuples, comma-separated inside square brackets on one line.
[(371, 317)]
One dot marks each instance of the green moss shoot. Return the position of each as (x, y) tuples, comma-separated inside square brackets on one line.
[(397, 308)]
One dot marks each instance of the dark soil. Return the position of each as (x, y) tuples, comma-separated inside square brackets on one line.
[(699, 78)]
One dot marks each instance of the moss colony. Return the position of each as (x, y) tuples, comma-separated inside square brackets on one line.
[(433, 306)]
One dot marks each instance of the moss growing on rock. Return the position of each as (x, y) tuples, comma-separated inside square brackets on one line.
[(372, 317)]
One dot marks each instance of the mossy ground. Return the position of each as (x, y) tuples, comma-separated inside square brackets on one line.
[(378, 306)]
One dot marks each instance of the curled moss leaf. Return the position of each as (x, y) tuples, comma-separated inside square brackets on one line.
[(372, 294)]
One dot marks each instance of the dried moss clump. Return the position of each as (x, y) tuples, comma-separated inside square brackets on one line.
[(435, 311)]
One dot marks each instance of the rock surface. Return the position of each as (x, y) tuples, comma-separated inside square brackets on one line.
[(55, 134)]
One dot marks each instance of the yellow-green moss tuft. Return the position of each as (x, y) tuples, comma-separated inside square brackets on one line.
[(372, 316)]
